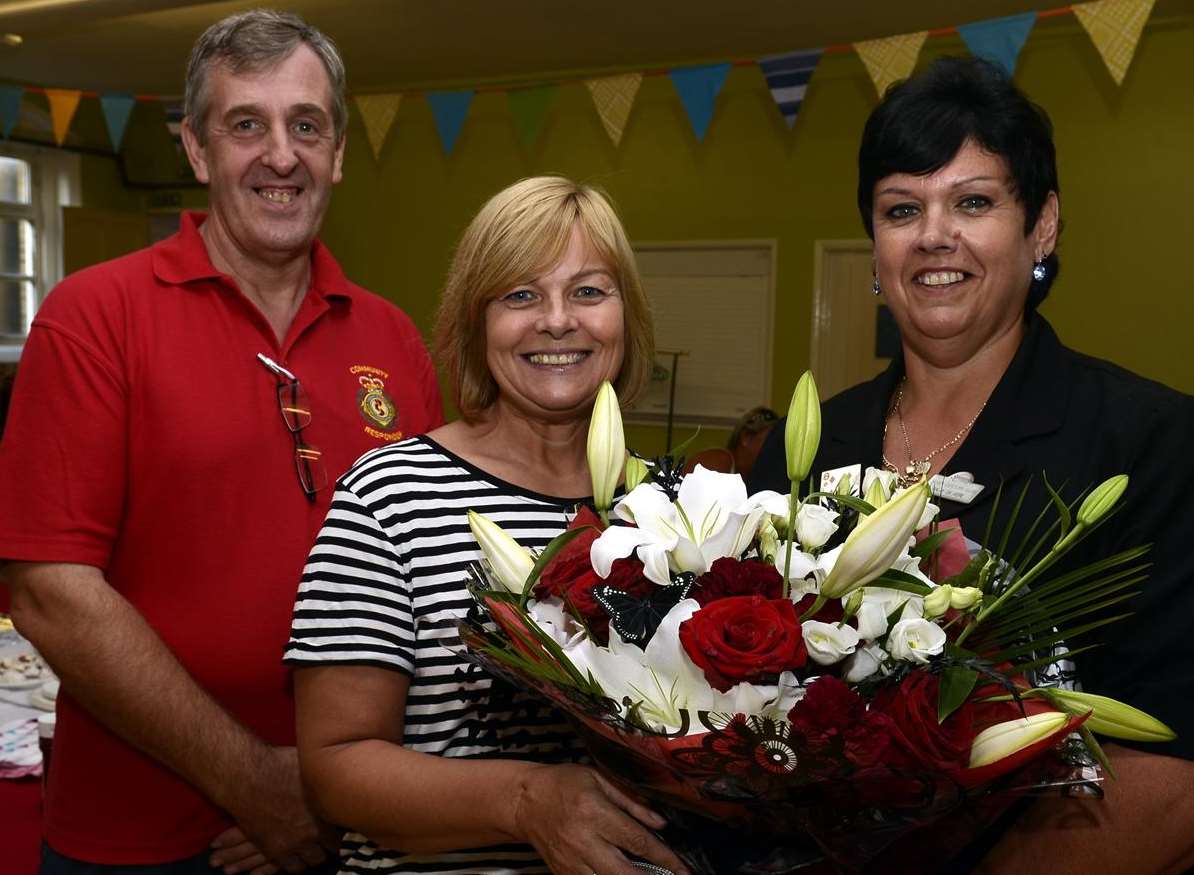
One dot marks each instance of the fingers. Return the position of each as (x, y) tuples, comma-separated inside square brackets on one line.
[(255, 861), (265, 869), (631, 806), (234, 835)]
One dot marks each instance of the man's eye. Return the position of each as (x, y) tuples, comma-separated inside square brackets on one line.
[(306, 129), (247, 126)]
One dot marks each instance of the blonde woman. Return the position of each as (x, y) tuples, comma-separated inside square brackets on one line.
[(433, 765)]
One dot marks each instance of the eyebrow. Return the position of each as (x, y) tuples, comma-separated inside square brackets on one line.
[(589, 271), (961, 183), (258, 109)]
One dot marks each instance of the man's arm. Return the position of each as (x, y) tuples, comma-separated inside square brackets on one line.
[(113, 663), (1145, 825)]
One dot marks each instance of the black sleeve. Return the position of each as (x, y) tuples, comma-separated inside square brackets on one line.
[(771, 466)]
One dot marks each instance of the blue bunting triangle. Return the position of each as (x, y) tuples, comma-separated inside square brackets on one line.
[(450, 108), (10, 107), (787, 77), (998, 40), (698, 88), (117, 109)]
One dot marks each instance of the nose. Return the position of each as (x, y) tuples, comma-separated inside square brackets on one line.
[(556, 316), (280, 155), (939, 231)]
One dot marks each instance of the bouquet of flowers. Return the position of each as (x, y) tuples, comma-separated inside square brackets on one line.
[(794, 676)]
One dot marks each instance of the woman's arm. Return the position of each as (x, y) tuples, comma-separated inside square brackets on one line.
[(359, 775)]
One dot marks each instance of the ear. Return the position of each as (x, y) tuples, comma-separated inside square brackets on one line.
[(1047, 225), (196, 153), (338, 160)]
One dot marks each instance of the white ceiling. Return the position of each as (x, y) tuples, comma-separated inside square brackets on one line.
[(142, 45)]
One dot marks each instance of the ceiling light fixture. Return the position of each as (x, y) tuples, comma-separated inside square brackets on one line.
[(11, 39)]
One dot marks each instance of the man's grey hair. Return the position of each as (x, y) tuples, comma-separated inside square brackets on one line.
[(254, 41)]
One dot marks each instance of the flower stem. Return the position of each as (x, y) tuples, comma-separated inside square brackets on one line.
[(792, 508)]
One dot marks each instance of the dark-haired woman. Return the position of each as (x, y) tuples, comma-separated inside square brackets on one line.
[(958, 189)]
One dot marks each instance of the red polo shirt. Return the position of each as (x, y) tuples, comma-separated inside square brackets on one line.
[(145, 438)]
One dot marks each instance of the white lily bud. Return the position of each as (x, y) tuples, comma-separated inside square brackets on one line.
[(938, 601), (845, 486), (1004, 739), (510, 561), (606, 446), (1111, 717), (876, 542), (963, 598), (768, 540), (1101, 499), (876, 495), (802, 432), (636, 472)]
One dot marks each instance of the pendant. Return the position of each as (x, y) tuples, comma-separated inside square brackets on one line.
[(913, 472)]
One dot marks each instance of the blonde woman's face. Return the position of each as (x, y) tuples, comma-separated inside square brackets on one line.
[(552, 341)]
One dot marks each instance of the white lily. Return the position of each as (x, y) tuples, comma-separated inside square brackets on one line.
[(606, 446), (710, 519), (1004, 739), (510, 561), (876, 542), (877, 486)]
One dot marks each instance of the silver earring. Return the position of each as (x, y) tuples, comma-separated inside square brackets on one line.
[(1039, 271), (875, 286)]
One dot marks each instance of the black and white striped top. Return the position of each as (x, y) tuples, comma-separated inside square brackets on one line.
[(384, 585)]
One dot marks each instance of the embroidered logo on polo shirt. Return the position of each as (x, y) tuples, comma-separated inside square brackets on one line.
[(376, 407)]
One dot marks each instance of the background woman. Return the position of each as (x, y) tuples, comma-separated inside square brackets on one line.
[(400, 738), (958, 189)]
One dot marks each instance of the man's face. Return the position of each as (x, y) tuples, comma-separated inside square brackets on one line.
[(271, 156)]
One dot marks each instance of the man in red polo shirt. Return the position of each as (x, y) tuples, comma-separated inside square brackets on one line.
[(175, 422)]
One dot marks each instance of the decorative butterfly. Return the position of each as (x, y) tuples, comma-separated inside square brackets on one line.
[(637, 619)]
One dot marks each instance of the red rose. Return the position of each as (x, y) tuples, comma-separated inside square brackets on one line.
[(830, 612), (833, 721), (571, 563), (730, 577), (743, 638), (912, 707)]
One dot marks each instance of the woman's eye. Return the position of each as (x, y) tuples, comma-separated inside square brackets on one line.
[(519, 296), (975, 202), (901, 211), (591, 293)]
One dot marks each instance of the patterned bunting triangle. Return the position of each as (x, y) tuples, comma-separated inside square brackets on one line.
[(1114, 27), (698, 88), (450, 108), (10, 107), (614, 96), (529, 108), (63, 103), (892, 58), (787, 77), (999, 40), (377, 112), (117, 108)]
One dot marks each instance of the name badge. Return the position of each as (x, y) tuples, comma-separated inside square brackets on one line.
[(958, 487), (830, 480)]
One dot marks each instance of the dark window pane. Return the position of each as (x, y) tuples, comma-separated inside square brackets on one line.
[(16, 247), (16, 307), (15, 183)]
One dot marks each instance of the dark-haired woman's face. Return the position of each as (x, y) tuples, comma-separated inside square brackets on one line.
[(951, 255)]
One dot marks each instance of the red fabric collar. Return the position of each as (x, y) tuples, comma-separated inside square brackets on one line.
[(182, 258)]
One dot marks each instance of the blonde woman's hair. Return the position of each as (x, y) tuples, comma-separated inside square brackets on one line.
[(519, 234)]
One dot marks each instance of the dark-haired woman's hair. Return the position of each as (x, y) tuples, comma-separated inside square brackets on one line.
[(921, 124)]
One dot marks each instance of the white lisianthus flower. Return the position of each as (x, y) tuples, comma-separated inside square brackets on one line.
[(828, 643), (915, 640), (863, 663), (878, 603), (815, 525)]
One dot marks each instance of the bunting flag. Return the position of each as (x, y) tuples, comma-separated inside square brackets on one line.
[(614, 96), (998, 40), (892, 58), (378, 112), (787, 77), (10, 107), (529, 107), (63, 103), (450, 108), (698, 88), (117, 108), (1114, 27)]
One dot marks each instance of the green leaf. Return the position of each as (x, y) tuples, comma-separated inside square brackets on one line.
[(1096, 750), (1063, 510), (991, 517), (931, 544), (902, 581), (678, 452), (863, 507), (554, 546), (1049, 640), (968, 576), (957, 681), (1011, 521)]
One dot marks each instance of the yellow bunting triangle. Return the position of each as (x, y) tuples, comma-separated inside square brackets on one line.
[(892, 58), (1114, 27), (63, 104), (613, 97), (378, 112)]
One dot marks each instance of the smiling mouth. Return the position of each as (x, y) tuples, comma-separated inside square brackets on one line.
[(556, 359), (939, 278), (279, 195)]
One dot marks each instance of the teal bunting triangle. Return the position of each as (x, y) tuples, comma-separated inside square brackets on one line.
[(449, 108), (117, 108), (10, 107), (698, 88), (999, 40)]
